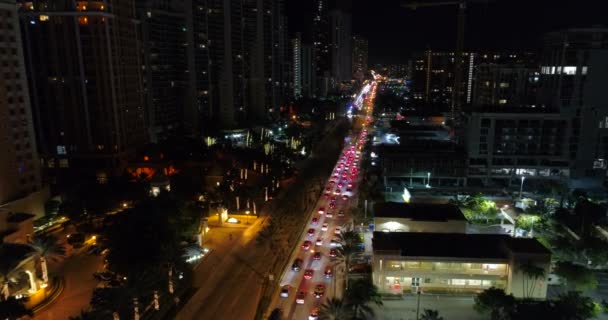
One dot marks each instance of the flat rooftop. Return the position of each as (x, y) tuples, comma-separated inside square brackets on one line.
[(456, 245), (418, 211)]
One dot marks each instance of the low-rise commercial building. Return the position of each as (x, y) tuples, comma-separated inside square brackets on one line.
[(458, 263), (418, 217)]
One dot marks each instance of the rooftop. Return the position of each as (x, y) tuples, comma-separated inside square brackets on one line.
[(456, 245), (418, 211)]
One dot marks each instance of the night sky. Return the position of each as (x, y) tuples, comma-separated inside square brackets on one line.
[(395, 32)]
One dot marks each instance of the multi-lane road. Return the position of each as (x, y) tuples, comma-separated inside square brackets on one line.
[(313, 273)]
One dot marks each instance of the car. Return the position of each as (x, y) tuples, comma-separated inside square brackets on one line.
[(316, 256), (340, 185), (329, 214), (324, 227), (337, 231), (300, 297), (326, 196), (306, 245), (319, 291), (341, 213), (328, 273), (308, 274), (328, 189), (314, 314), (344, 197), (311, 232), (333, 199), (321, 210), (285, 291), (335, 243), (297, 265), (347, 190), (344, 175), (315, 220), (319, 242), (333, 253), (337, 191), (332, 205)]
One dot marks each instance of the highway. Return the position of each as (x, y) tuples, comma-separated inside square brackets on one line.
[(330, 215)]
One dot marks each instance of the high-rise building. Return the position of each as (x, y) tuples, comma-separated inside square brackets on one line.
[(165, 44), (433, 74), (196, 119), (296, 46), (321, 47), (19, 163), (303, 71), (227, 62), (84, 72), (341, 49), (504, 84), (360, 54), (281, 67), (573, 77)]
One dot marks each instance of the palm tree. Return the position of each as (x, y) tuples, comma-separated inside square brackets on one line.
[(13, 309), (429, 314), (531, 275), (47, 248), (333, 309), (358, 296), (10, 267), (350, 241)]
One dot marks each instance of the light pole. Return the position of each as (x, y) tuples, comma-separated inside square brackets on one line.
[(521, 187), (428, 179)]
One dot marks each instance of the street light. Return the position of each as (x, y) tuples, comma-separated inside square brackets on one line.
[(521, 187), (428, 179)]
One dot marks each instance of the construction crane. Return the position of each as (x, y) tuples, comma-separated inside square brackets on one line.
[(460, 23)]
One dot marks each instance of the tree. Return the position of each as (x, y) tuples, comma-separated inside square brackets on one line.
[(10, 267), (47, 248), (494, 301), (577, 277), (13, 309), (531, 274), (350, 241), (429, 314), (359, 294), (333, 309), (574, 306), (276, 314)]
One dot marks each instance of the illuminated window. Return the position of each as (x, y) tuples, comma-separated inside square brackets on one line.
[(459, 282), (584, 70), (502, 101), (44, 18), (473, 282), (569, 70), (504, 84)]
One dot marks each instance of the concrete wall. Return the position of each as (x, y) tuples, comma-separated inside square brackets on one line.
[(32, 203), (408, 225)]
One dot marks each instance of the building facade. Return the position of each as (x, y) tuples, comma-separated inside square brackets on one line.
[(360, 55), (573, 73), (406, 262), (84, 71), (321, 47), (505, 145), (19, 163), (166, 42), (508, 85), (340, 26)]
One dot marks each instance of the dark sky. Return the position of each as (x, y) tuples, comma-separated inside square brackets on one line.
[(394, 32)]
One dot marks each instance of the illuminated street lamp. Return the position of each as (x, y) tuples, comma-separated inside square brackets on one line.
[(521, 187), (428, 179)]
